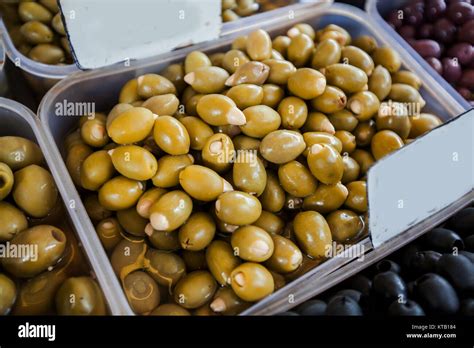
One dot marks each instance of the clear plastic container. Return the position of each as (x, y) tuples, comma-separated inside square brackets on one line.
[(102, 87), (377, 10), (17, 120), (3, 77), (40, 76)]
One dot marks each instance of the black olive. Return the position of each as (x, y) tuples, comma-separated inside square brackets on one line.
[(467, 307), (312, 307), (443, 240), (388, 265), (390, 286), (360, 283), (424, 262), (409, 307), (458, 270), (343, 305), (436, 295), (463, 222)]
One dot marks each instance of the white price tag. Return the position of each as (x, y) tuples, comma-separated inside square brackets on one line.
[(105, 32), (421, 179)]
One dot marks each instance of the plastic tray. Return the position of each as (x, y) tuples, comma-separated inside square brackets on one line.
[(377, 10), (17, 120), (102, 87), (40, 76), (3, 78)]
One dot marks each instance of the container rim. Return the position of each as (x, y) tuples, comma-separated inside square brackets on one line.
[(371, 9), (29, 65), (94, 254)]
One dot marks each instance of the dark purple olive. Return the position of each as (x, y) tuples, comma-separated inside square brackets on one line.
[(435, 64), (343, 306), (458, 270), (408, 253), (463, 51), (354, 294), (407, 31), (390, 286), (445, 30), (464, 92), (469, 243), (394, 19), (463, 221), (443, 240), (413, 13), (427, 48), (287, 314), (425, 31), (360, 283), (467, 254), (312, 307), (467, 307), (467, 79), (434, 9), (424, 262), (459, 13), (466, 32), (410, 308), (388, 265), (456, 1), (436, 295)]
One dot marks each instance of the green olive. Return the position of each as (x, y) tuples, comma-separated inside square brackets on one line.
[(357, 197), (171, 211), (134, 162), (261, 120), (351, 170), (331, 100), (162, 105), (94, 209), (246, 95), (364, 159), (307, 83), (34, 191), (282, 146), (17, 152), (198, 131), (217, 152), (325, 163), (171, 135), (252, 72), (423, 123), (280, 71), (252, 281), (359, 58), (47, 54), (380, 82), (208, 79), (51, 5), (93, 130), (249, 174), (302, 28), (272, 95), (194, 260), (313, 234), (293, 112), (129, 92), (74, 160), (366, 43), (149, 85), (120, 193), (169, 168), (286, 257), (252, 243), (57, 24), (348, 141), (48, 242), (233, 59), (397, 120), (296, 179), (219, 110), (259, 45), (6, 180), (364, 105), (163, 240), (227, 302), (196, 60), (8, 294), (300, 49), (328, 52), (387, 57), (238, 208), (109, 232), (12, 221), (198, 232), (96, 170), (270, 222), (406, 94), (407, 77), (343, 120), (80, 296), (273, 197), (202, 183), (32, 11), (347, 77), (175, 73), (243, 142), (131, 126), (364, 133), (170, 309), (37, 33), (128, 256), (318, 122), (221, 261), (195, 289), (385, 142), (326, 198), (164, 267), (345, 225), (132, 222), (281, 44), (142, 292)]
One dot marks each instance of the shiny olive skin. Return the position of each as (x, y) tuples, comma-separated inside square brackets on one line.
[(171, 136), (47, 54), (281, 43), (34, 191), (270, 222), (238, 208), (149, 85), (171, 211), (327, 52), (351, 170), (385, 142), (249, 174), (343, 120), (246, 95), (286, 257), (96, 170), (399, 123), (166, 268), (233, 59), (80, 296), (32, 11), (208, 79), (406, 94), (345, 225), (366, 43), (273, 197), (142, 292), (165, 104), (93, 130), (216, 153), (252, 243), (50, 243), (169, 168), (293, 112), (357, 197), (196, 60), (163, 240), (6, 180), (380, 82), (296, 179), (347, 139), (198, 131), (197, 232), (128, 256), (132, 222), (388, 58), (347, 77), (325, 163), (280, 71), (170, 309), (252, 281), (307, 83), (422, 124), (282, 146), (221, 260), (109, 232), (261, 120), (17, 152), (272, 95), (120, 193), (12, 221), (8, 294), (195, 289), (326, 198), (359, 58), (131, 126), (312, 138), (312, 233), (364, 159), (227, 302), (300, 49), (259, 45), (202, 183), (318, 122), (219, 110), (333, 99), (37, 33), (364, 133)]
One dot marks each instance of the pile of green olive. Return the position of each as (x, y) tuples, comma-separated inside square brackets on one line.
[(37, 30), (217, 181), (235, 9), (41, 265)]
